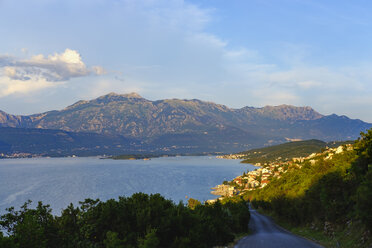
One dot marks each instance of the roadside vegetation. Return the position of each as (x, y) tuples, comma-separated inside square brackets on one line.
[(144, 221), (329, 200)]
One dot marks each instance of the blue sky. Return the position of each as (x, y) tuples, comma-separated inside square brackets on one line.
[(237, 52)]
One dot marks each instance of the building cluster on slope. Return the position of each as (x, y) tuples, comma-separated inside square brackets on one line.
[(262, 176), (233, 156), (18, 155)]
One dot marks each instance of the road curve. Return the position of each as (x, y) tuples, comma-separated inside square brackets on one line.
[(266, 234)]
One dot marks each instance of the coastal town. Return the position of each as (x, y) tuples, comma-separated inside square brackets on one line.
[(266, 172), (18, 155)]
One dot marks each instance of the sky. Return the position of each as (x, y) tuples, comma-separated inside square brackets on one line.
[(234, 52)]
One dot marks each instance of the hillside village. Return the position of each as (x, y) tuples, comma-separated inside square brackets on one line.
[(18, 155), (267, 171)]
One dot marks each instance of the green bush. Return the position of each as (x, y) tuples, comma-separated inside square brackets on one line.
[(145, 221)]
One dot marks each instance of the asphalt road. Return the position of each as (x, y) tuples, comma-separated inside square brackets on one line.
[(266, 234)]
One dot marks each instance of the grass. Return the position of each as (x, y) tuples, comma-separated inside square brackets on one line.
[(343, 237), (347, 235)]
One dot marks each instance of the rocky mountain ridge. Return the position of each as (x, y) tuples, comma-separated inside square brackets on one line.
[(191, 123)]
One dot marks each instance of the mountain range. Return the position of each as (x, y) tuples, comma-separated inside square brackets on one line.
[(175, 125)]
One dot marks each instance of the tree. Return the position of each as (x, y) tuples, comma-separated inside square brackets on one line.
[(31, 227), (364, 200), (150, 240), (112, 241), (192, 203)]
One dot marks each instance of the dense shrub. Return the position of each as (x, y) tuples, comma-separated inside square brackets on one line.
[(331, 190), (138, 221)]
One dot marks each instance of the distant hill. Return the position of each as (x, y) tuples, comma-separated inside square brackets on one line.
[(61, 143), (191, 125), (287, 151)]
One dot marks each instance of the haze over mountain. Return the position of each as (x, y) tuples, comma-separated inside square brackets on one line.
[(191, 125)]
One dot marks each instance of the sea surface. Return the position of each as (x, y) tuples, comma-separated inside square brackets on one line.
[(61, 181)]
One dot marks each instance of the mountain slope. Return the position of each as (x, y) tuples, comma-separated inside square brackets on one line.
[(191, 124), (286, 151), (61, 143)]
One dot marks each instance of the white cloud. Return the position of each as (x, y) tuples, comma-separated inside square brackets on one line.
[(54, 68), (25, 75), (10, 72), (164, 49), (8, 87)]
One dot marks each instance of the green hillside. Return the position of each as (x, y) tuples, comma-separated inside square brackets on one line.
[(286, 151), (330, 199)]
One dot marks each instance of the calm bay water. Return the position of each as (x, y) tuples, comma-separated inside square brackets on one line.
[(60, 181)]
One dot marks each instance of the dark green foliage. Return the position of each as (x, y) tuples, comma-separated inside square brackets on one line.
[(364, 200), (364, 150), (238, 214), (362, 170), (112, 241), (332, 190), (150, 240), (31, 227), (144, 221), (6, 242)]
